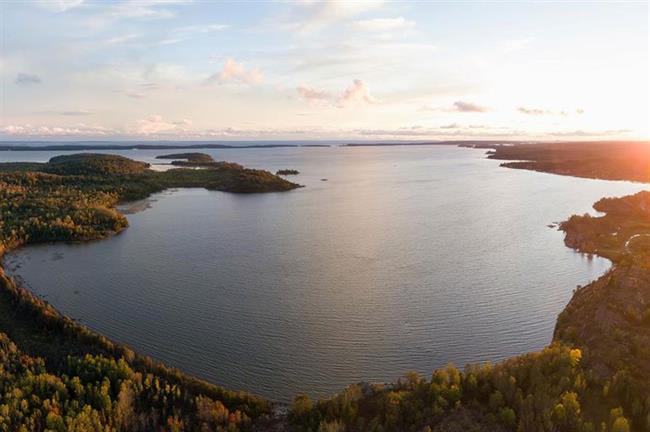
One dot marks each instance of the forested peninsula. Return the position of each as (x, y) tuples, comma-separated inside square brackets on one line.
[(60, 376), (608, 160), (57, 375)]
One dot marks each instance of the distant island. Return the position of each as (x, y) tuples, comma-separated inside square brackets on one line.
[(286, 172), (191, 160)]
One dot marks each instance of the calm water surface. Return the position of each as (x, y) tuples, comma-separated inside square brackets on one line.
[(405, 259)]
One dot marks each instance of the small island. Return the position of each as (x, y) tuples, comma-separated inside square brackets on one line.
[(191, 159), (286, 172)]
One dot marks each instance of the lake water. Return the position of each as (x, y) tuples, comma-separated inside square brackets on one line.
[(407, 258)]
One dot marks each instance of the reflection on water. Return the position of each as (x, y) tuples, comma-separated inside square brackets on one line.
[(405, 259)]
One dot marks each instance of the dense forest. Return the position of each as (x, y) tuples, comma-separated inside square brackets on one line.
[(57, 375)]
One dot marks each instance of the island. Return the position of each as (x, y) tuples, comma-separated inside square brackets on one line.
[(57, 375), (191, 159), (286, 172)]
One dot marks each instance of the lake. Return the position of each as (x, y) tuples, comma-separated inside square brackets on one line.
[(406, 258)]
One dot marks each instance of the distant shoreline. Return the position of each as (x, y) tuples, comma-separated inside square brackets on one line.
[(188, 145), (171, 145), (81, 147)]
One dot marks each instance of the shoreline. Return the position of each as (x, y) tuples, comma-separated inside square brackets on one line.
[(144, 204), (40, 307)]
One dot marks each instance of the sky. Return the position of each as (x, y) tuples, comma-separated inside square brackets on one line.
[(289, 70)]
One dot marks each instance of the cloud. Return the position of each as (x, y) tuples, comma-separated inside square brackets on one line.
[(122, 39), (27, 79), (133, 94), (583, 134), (428, 108), (383, 24), (309, 16), (58, 5), (184, 122), (539, 111), (203, 28), (142, 9), (516, 45), (142, 90), (312, 95), (81, 130), (153, 125), (182, 34), (532, 111), (147, 128), (75, 113), (437, 133), (233, 71), (357, 92), (462, 106)]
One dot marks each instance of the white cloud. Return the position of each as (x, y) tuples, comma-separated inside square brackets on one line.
[(26, 79), (81, 112), (122, 39), (312, 95), (532, 111), (105, 13), (81, 130), (383, 24), (516, 45), (540, 111), (357, 92), (234, 71), (437, 133), (310, 15), (458, 106), (203, 28), (59, 5), (153, 125)]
